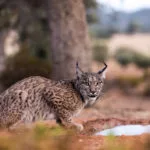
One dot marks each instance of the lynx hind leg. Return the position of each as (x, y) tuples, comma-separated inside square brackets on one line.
[(10, 119), (12, 110)]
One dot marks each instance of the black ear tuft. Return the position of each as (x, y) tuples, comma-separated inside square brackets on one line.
[(102, 70), (77, 64), (79, 72)]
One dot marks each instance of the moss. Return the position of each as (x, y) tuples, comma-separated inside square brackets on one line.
[(142, 61)]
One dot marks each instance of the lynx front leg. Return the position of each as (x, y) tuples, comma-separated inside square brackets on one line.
[(67, 122)]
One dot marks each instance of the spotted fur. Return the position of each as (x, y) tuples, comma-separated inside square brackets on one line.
[(37, 98)]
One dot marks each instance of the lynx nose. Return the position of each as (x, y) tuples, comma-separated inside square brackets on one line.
[(93, 92)]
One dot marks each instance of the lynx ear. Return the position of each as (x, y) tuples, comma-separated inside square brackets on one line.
[(102, 72), (79, 72)]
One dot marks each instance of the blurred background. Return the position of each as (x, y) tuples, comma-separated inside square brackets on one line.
[(47, 37)]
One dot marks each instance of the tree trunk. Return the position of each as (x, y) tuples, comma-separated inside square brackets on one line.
[(2, 54), (3, 35), (68, 37)]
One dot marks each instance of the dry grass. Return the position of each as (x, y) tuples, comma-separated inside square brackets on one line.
[(115, 70), (39, 137), (42, 137), (139, 42)]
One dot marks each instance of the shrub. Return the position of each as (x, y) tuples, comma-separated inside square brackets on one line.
[(141, 60), (133, 27), (100, 52), (129, 81), (124, 56), (23, 65)]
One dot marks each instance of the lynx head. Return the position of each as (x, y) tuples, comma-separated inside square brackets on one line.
[(90, 84)]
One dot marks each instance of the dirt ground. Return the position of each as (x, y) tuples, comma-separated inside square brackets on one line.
[(113, 109)]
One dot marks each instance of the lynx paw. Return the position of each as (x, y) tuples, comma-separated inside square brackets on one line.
[(79, 127)]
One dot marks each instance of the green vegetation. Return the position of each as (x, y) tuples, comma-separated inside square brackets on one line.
[(129, 81), (23, 65), (133, 27), (39, 137), (141, 60), (100, 52), (100, 33), (125, 55), (42, 137), (90, 6)]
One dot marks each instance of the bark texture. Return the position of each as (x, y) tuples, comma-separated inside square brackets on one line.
[(2, 54), (68, 37)]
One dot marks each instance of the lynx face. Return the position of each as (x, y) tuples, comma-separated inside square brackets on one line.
[(90, 84)]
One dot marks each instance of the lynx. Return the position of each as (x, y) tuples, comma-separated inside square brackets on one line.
[(37, 98)]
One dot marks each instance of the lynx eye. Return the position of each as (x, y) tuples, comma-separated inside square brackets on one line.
[(100, 82), (88, 83), (97, 83)]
